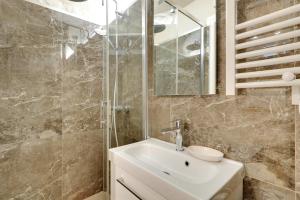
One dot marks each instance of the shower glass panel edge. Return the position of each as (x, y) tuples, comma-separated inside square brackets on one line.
[(137, 56)]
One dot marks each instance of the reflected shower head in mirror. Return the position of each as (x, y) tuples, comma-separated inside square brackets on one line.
[(194, 46), (161, 21), (101, 30), (120, 14), (159, 28)]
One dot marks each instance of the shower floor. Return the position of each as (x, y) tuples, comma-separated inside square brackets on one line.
[(98, 196)]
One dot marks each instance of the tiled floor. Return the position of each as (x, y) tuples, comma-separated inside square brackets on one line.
[(98, 196)]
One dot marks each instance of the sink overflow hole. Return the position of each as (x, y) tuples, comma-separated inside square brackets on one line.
[(187, 163)]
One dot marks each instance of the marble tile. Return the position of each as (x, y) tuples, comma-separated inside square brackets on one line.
[(98, 196), (49, 106), (229, 191), (30, 107), (82, 165), (297, 141), (159, 117), (31, 167), (22, 102), (82, 140), (257, 190), (250, 9), (52, 191)]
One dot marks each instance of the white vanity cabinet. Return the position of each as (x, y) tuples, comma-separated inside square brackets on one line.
[(154, 170), (126, 187)]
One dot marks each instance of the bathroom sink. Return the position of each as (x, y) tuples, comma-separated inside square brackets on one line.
[(174, 164), (174, 174)]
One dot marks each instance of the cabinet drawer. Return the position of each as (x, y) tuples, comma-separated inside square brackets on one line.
[(127, 187), (123, 192)]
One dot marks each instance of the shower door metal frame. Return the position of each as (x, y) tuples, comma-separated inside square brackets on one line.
[(145, 10)]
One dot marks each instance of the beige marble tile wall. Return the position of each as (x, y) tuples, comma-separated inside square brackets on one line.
[(50, 90), (259, 127)]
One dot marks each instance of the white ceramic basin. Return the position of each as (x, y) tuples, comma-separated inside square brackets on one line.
[(175, 174), (172, 163)]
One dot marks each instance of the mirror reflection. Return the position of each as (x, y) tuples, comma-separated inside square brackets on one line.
[(184, 47)]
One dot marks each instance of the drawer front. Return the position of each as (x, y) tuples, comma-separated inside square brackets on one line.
[(127, 187), (123, 192)]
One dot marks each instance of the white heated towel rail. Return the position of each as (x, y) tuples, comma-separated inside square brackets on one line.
[(239, 38)]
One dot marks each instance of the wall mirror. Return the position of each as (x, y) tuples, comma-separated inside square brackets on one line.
[(184, 47)]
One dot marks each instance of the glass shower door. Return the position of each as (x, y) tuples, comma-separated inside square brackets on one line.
[(125, 82), (125, 73)]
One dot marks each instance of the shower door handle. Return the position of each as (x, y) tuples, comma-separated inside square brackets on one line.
[(128, 188)]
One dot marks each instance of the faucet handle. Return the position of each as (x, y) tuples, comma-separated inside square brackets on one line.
[(178, 123)]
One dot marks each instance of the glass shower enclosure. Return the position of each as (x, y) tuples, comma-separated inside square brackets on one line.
[(124, 107)]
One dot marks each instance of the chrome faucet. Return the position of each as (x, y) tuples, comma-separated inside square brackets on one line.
[(176, 132)]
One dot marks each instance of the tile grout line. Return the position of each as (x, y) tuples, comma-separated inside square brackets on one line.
[(295, 134), (296, 109), (295, 129), (296, 152), (272, 184), (295, 149)]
